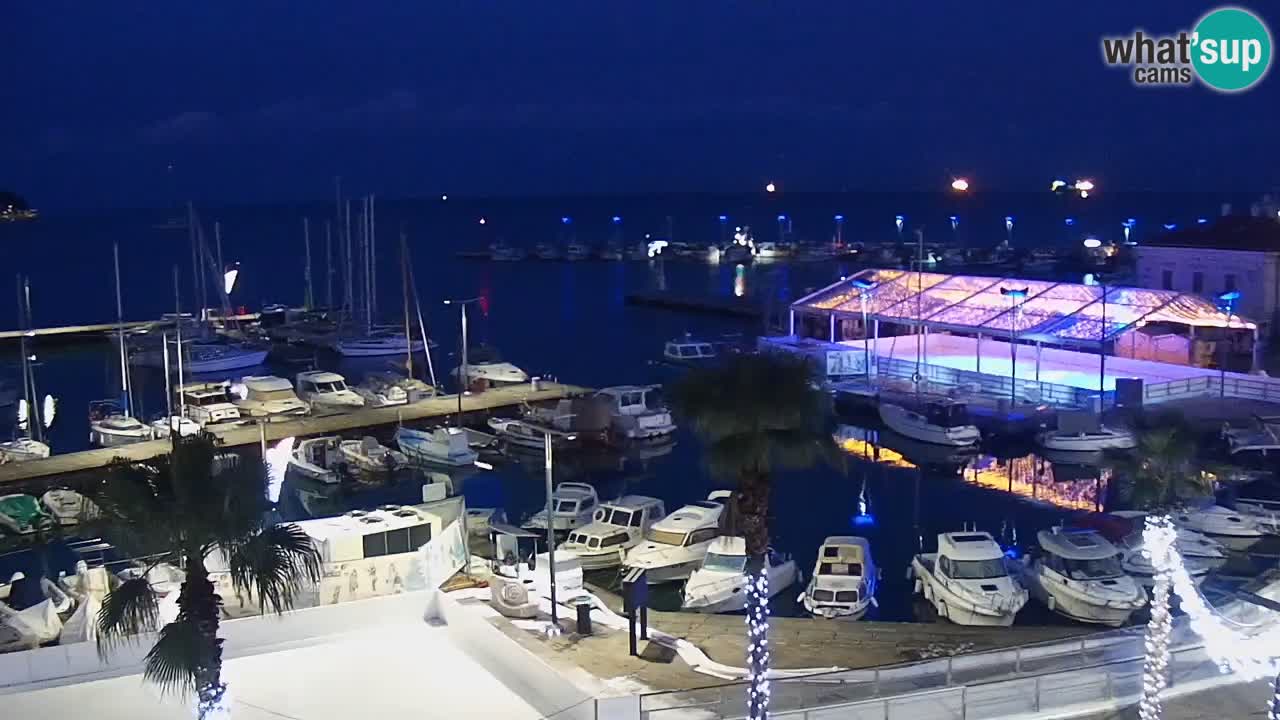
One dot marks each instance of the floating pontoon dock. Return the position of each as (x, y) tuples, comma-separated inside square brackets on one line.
[(240, 435)]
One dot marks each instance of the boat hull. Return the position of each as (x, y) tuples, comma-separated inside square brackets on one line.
[(848, 613), (675, 572), (107, 438), (1085, 444), (366, 349), (897, 419)]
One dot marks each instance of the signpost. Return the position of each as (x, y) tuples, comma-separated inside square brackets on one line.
[(635, 600)]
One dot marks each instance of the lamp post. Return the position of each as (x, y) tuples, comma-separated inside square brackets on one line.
[(1008, 229), (839, 230), (1093, 243), (898, 221), (548, 464), (462, 367), (864, 286), (1017, 295), (1229, 297)]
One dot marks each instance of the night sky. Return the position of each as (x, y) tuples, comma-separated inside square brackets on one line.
[(144, 104)]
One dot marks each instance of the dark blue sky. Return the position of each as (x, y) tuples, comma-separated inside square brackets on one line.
[(267, 101)]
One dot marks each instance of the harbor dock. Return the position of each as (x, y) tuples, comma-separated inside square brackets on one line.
[(66, 334), (252, 434)]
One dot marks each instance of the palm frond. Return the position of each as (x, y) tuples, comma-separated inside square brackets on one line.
[(128, 610), (273, 563), (180, 654)]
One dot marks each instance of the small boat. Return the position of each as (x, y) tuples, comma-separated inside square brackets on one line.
[(942, 422), (68, 507), (575, 251), (376, 344), (718, 583), (439, 446), (1218, 520), (209, 404), (502, 252), (634, 415), (25, 627), (371, 456), (22, 514), (522, 434), (572, 506), (615, 528), (381, 390), (268, 396), (1077, 574), (1135, 563), (844, 580), (198, 356), (546, 251), (967, 581), (485, 367), (769, 250), (688, 351), (318, 458), (165, 427), (1261, 436), (110, 425), (22, 449), (675, 545), (1104, 438), (327, 391), (1119, 525)]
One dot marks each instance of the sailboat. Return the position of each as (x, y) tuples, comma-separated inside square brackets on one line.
[(32, 446), (112, 423)]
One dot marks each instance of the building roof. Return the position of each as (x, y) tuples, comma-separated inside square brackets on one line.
[(1054, 312), (1230, 232)]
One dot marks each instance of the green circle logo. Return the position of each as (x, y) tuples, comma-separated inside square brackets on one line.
[(1231, 49)]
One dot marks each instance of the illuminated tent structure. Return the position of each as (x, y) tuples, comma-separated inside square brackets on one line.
[(1050, 313)]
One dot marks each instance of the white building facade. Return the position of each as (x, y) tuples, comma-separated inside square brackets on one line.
[(1212, 271)]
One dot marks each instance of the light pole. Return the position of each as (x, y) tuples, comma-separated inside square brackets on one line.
[(898, 221), (1008, 229), (839, 230), (462, 368), (863, 286), (1093, 243), (1229, 297), (1017, 295), (547, 463)]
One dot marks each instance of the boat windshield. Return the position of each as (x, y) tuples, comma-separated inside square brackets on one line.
[(1098, 569), (617, 517), (947, 415), (203, 400), (725, 563), (567, 506), (978, 569), (335, 386), (665, 537), (273, 395)]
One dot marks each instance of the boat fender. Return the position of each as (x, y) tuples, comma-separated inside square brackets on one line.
[(1052, 602), (919, 586), (874, 602)]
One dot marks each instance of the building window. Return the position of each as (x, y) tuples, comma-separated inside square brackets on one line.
[(1229, 282), (1166, 281), (1197, 282)]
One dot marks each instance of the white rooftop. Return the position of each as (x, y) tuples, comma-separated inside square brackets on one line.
[(573, 491), (362, 522)]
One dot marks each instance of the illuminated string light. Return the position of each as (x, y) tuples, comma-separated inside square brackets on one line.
[(758, 645)]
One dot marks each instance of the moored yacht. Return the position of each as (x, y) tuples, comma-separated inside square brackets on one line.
[(616, 527), (674, 546), (22, 449), (110, 425), (486, 368), (268, 396), (381, 390), (1215, 520), (573, 505), (376, 343), (1104, 438), (942, 422), (1077, 574), (843, 584), (634, 415), (967, 581), (719, 582), (327, 391), (689, 351), (369, 455), (576, 250), (318, 458), (521, 434), (437, 446), (502, 252), (21, 514), (209, 404)]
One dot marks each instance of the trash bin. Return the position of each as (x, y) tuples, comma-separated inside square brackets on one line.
[(584, 618)]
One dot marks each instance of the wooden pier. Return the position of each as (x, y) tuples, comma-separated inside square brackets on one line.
[(66, 334), (251, 434)]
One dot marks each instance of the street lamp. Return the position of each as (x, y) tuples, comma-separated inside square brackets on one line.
[(462, 368), (1008, 228), (770, 187), (1229, 297), (898, 220), (1017, 295), (839, 230), (548, 464), (1128, 228), (960, 184), (782, 227), (863, 287)]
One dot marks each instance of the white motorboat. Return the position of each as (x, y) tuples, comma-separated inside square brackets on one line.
[(1104, 438), (967, 580), (769, 250), (30, 627), (209, 404), (674, 546), (1219, 521), (318, 458), (616, 527), (68, 507), (382, 390), (111, 426), (634, 415), (718, 584), (327, 391), (166, 426), (485, 367), (688, 351), (22, 449), (1261, 436), (376, 344), (942, 422), (572, 506), (844, 580), (371, 456), (522, 434), (1077, 574), (1135, 563), (440, 446), (268, 396), (1190, 544), (198, 356)]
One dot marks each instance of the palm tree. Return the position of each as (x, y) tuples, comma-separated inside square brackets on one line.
[(179, 508), (756, 414), (1164, 470)]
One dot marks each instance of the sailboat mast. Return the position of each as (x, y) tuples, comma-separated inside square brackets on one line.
[(351, 287), (26, 361), (328, 265), (422, 326), (364, 261), (919, 300), (177, 311), (168, 385), (307, 298), (404, 288), (195, 263), (217, 244), (124, 359), (373, 258)]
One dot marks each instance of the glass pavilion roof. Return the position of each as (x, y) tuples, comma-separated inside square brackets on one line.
[(1068, 313)]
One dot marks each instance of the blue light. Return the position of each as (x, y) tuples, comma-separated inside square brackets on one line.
[(953, 218), (1171, 226), (1131, 222), (1008, 219), (863, 520), (1201, 221), (1229, 297), (839, 218), (566, 220), (1071, 221), (724, 218), (899, 218), (617, 220), (782, 218)]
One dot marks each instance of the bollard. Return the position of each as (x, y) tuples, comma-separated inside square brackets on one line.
[(584, 618)]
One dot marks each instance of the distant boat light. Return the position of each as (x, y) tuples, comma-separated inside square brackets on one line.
[(1092, 242)]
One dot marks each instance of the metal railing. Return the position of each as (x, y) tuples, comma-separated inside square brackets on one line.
[(1245, 387)]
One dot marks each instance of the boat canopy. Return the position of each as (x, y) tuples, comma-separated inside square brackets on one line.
[(1076, 544), (1052, 312), (843, 555)]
